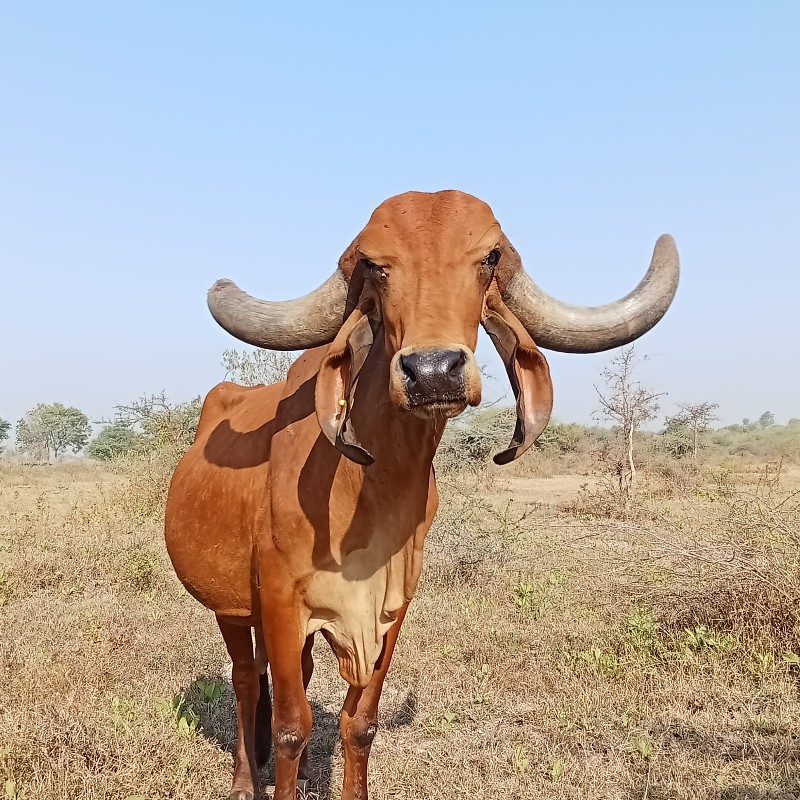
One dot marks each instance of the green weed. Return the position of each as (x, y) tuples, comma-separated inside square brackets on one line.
[(643, 630), (123, 712), (520, 760), (556, 770), (210, 690), (643, 745), (137, 570), (606, 664), (702, 638), (182, 717)]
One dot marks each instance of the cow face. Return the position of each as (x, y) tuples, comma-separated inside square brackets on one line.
[(418, 280), (427, 261), (422, 275)]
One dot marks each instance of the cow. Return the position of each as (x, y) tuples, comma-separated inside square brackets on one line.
[(303, 506)]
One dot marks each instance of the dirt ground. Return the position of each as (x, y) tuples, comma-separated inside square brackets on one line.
[(557, 648)]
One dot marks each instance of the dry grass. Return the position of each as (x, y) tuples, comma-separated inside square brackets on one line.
[(552, 652)]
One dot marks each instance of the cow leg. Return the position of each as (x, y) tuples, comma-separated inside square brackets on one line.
[(239, 641), (264, 708), (308, 671), (291, 713), (358, 721)]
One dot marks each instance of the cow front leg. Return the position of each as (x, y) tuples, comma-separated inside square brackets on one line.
[(358, 721), (264, 709), (238, 640), (291, 713)]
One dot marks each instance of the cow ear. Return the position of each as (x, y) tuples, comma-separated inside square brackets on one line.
[(336, 385), (527, 370)]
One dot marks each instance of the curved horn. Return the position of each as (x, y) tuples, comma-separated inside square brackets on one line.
[(309, 321), (590, 329)]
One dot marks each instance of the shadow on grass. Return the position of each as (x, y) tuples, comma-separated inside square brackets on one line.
[(789, 790), (404, 714), (218, 725), (777, 751)]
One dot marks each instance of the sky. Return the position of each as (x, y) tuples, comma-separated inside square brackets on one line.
[(147, 149)]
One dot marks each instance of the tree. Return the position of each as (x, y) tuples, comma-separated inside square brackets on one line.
[(696, 418), (50, 429), (766, 419), (114, 440), (5, 427), (253, 367), (629, 404), (161, 424)]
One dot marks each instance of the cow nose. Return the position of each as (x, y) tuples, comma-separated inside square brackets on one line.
[(434, 374)]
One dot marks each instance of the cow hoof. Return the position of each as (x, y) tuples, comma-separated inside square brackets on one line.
[(302, 787), (240, 794)]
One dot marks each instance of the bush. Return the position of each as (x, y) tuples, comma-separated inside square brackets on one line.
[(676, 440), (754, 442), (734, 561), (470, 440), (560, 438)]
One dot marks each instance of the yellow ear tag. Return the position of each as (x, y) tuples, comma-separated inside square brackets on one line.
[(343, 403)]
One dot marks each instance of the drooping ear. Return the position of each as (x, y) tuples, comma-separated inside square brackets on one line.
[(336, 385), (527, 370)]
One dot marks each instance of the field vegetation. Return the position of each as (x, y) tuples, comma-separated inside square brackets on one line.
[(570, 638)]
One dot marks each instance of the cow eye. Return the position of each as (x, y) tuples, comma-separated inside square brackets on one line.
[(376, 271), (492, 259)]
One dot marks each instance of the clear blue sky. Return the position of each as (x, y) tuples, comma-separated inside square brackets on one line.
[(147, 149)]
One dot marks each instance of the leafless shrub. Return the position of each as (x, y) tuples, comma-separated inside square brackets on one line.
[(469, 533), (165, 426), (628, 404), (604, 500), (257, 366)]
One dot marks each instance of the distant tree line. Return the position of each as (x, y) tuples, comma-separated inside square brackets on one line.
[(153, 423)]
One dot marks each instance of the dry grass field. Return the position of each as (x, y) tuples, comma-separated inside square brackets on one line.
[(562, 645)]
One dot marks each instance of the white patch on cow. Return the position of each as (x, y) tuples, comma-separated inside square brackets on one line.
[(359, 603)]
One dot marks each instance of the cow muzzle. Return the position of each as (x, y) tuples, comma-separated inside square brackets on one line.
[(435, 381)]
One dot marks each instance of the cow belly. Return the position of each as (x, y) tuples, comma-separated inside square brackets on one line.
[(216, 570), (208, 532), (356, 605)]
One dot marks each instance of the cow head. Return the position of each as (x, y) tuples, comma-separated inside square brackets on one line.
[(419, 279)]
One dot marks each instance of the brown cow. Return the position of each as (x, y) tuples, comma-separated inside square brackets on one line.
[(303, 506)]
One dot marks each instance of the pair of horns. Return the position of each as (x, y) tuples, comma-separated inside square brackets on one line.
[(315, 318)]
